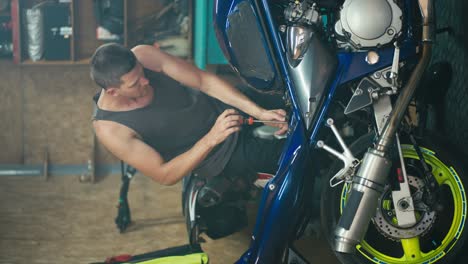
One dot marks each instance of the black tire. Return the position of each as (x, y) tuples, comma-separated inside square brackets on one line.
[(191, 186), (381, 246)]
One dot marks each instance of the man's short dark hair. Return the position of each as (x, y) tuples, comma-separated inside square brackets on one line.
[(109, 62)]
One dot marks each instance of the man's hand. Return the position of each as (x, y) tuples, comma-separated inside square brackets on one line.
[(275, 115), (226, 124)]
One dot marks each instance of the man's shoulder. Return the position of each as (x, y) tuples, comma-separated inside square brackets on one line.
[(107, 128), (115, 137)]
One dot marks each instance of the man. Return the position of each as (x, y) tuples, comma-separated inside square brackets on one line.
[(149, 119)]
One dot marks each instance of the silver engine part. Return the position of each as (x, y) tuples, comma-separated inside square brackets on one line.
[(301, 12), (309, 62), (311, 66), (368, 23)]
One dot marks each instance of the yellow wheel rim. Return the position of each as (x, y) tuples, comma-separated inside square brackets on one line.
[(412, 251)]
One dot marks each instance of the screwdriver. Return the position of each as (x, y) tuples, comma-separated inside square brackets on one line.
[(251, 121)]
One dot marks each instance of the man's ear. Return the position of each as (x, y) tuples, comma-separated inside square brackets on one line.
[(112, 91)]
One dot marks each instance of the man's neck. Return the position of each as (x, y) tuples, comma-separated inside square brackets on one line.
[(121, 103)]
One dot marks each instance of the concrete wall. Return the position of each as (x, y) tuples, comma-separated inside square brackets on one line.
[(46, 107), (11, 114)]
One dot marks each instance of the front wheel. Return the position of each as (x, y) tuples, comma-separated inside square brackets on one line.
[(437, 236)]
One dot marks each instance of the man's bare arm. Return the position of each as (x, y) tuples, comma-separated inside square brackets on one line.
[(124, 144), (154, 59)]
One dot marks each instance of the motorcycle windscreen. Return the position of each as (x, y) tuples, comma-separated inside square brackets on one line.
[(245, 45)]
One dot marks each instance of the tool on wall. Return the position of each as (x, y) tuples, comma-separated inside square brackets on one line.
[(6, 42), (110, 19), (169, 28)]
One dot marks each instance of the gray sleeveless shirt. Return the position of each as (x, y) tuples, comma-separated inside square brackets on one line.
[(174, 121)]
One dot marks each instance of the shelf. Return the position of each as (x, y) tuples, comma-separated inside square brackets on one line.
[(83, 22), (82, 61), (58, 62)]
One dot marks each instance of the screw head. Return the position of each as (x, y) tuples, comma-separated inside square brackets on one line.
[(320, 144), (372, 57), (403, 204)]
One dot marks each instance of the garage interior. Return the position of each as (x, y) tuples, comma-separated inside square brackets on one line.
[(59, 187)]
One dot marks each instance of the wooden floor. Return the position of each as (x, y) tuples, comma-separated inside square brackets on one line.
[(64, 221)]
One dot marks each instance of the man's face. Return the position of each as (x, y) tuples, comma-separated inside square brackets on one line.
[(134, 84)]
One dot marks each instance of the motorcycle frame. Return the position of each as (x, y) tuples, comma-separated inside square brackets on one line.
[(286, 200)]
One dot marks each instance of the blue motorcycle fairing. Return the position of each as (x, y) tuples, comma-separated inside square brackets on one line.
[(359, 68), (281, 207)]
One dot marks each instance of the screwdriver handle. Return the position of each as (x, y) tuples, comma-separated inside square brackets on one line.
[(250, 121), (247, 121)]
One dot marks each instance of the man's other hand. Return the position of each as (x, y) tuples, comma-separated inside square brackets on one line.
[(275, 115), (227, 123)]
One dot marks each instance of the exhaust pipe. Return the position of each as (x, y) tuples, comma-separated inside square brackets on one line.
[(369, 182), (404, 99)]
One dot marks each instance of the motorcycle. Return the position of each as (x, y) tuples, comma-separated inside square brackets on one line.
[(347, 69)]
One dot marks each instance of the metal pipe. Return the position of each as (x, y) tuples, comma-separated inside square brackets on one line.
[(20, 172), (55, 170), (387, 136)]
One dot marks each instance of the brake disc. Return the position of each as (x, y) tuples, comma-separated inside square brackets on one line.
[(385, 219)]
